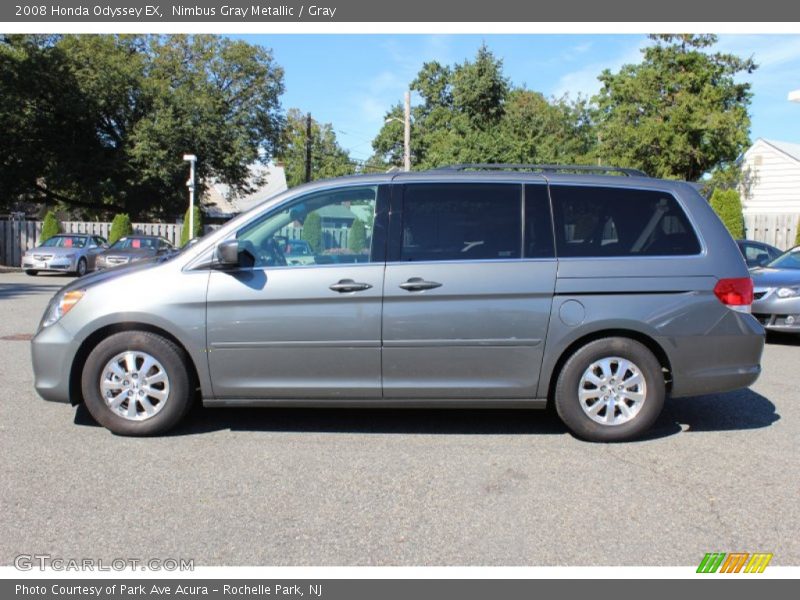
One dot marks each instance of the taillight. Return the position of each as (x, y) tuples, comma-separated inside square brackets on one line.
[(735, 293)]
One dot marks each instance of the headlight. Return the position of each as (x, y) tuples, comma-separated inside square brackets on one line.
[(787, 292), (61, 305)]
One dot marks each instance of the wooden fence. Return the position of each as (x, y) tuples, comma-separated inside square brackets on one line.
[(776, 229), (18, 236)]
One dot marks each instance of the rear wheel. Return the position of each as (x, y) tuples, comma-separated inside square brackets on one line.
[(137, 383), (610, 390)]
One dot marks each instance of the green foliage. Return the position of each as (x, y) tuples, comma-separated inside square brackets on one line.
[(471, 113), (312, 232), (727, 205), (50, 227), (328, 159), (120, 227), (679, 112), (102, 122), (198, 225), (357, 236), (797, 235)]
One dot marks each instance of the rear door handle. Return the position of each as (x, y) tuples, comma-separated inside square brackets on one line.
[(417, 284), (348, 285)]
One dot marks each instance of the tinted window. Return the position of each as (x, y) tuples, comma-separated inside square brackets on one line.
[(538, 226), (461, 222), (595, 221)]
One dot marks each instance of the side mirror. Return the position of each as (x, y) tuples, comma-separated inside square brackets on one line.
[(228, 253)]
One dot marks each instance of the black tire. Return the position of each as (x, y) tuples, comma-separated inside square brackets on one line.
[(566, 392), (174, 361), (80, 269), (31, 272)]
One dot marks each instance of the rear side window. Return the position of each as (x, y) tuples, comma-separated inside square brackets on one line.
[(597, 221), (461, 222)]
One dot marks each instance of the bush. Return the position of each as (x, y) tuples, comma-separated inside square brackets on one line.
[(198, 225), (357, 238), (797, 235), (312, 232), (727, 205), (120, 227), (50, 227)]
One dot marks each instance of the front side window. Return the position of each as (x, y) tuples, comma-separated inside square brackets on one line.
[(330, 227), (461, 222), (597, 221)]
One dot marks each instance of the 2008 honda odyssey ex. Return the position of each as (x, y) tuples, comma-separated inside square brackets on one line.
[(600, 290)]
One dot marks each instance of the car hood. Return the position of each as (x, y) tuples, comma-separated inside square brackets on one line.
[(764, 277), (54, 250), (98, 277), (130, 252)]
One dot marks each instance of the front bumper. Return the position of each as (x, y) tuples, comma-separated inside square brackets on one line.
[(777, 314), (59, 265), (52, 351)]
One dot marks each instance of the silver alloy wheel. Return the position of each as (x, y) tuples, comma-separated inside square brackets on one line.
[(134, 385), (612, 391), (81, 267)]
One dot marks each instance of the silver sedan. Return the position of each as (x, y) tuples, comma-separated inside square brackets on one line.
[(776, 289), (64, 253)]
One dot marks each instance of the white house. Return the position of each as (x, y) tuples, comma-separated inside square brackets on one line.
[(221, 202), (771, 191)]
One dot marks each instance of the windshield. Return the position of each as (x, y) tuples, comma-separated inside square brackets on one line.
[(787, 260), (136, 243), (65, 241)]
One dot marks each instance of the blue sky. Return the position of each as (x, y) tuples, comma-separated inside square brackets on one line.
[(351, 81)]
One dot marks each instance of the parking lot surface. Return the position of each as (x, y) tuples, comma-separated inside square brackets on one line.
[(392, 487)]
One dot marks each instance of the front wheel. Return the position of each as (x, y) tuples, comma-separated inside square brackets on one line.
[(31, 272), (81, 268), (137, 383), (610, 390)]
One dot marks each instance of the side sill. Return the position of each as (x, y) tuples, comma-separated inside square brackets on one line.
[(530, 403)]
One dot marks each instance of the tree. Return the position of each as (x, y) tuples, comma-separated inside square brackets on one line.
[(728, 206), (101, 122), (679, 112), (120, 227), (50, 227), (197, 225), (357, 236), (312, 232), (328, 159), (471, 113)]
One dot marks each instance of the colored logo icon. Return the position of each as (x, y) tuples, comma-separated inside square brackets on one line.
[(734, 562)]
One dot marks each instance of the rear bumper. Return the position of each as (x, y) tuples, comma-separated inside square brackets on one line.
[(726, 357), (52, 352)]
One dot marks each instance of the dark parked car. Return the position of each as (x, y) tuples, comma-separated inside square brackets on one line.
[(482, 286), (133, 248), (776, 301), (65, 253), (757, 254)]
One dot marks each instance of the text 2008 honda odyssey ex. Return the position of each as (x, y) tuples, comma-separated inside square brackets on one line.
[(469, 286)]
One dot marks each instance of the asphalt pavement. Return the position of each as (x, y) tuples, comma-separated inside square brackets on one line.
[(718, 473)]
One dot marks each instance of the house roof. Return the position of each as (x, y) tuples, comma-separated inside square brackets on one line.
[(220, 200), (336, 211), (788, 148)]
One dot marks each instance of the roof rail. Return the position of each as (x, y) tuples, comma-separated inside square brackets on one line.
[(543, 168)]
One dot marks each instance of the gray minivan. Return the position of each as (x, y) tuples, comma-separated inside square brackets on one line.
[(601, 291)]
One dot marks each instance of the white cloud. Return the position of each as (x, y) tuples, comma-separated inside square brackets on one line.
[(584, 81)]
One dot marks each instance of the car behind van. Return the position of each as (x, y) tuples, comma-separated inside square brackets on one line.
[(597, 290)]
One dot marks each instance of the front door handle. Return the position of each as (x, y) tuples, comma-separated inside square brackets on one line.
[(417, 284), (348, 285)]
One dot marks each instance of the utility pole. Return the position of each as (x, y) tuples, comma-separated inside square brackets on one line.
[(407, 134), (308, 147), (190, 184)]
